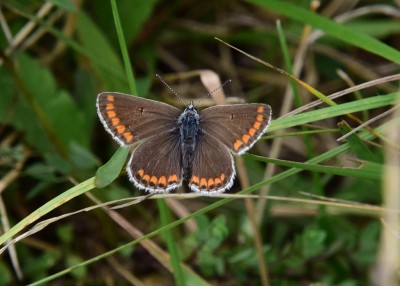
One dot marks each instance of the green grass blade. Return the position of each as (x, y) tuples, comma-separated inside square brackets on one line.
[(107, 173), (48, 207), (165, 217), (341, 32), (332, 111), (362, 173), (124, 51)]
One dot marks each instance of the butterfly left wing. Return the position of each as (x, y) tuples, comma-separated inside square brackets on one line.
[(238, 126), (130, 118), (155, 165)]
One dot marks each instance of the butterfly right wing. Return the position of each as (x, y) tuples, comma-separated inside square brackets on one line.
[(130, 118), (238, 126), (213, 169)]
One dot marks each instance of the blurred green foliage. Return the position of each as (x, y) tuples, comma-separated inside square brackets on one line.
[(50, 135)]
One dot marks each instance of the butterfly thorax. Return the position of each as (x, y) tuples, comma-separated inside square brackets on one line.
[(189, 125), (189, 129)]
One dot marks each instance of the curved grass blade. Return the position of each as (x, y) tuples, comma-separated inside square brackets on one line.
[(107, 173), (331, 28)]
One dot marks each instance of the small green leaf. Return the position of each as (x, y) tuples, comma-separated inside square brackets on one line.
[(65, 233), (58, 163), (81, 157), (5, 274), (356, 144), (313, 242), (67, 5), (41, 172), (79, 272), (38, 189), (107, 173)]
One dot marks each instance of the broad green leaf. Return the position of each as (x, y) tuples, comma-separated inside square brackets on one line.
[(133, 14), (58, 108), (97, 45)]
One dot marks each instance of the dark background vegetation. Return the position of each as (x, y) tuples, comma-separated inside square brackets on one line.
[(51, 139)]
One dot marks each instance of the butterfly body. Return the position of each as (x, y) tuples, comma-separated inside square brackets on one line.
[(192, 146), (189, 131)]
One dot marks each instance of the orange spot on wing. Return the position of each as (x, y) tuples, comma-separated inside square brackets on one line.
[(115, 121), (121, 128), (162, 182), (146, 178), (260, 118), (237, 144), (252, 132), (140, 173), (222, 177), (245, 138), (210, 182), (217, 181), (195, 180), (154, 180), (173, 179), (257, 125), (203, 183), (109, 106), (260, 109), (110, 97), (111, 114), (128, 136)]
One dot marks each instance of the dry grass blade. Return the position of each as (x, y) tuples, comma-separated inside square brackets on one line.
[(383, 114), (338, 94), (388, 262)]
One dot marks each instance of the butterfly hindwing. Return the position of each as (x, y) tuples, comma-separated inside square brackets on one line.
[(129, 118), (238, 126), (213, 168), (155, 165)]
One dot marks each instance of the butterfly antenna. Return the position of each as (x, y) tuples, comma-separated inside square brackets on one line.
[(209, 94), (170, 88)]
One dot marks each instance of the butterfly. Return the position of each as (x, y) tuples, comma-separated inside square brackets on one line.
[(192, 147)]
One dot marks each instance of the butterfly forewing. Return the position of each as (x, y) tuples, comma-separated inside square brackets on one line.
[(155, 165), (129, 118), (213, 168), (238, 126)]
